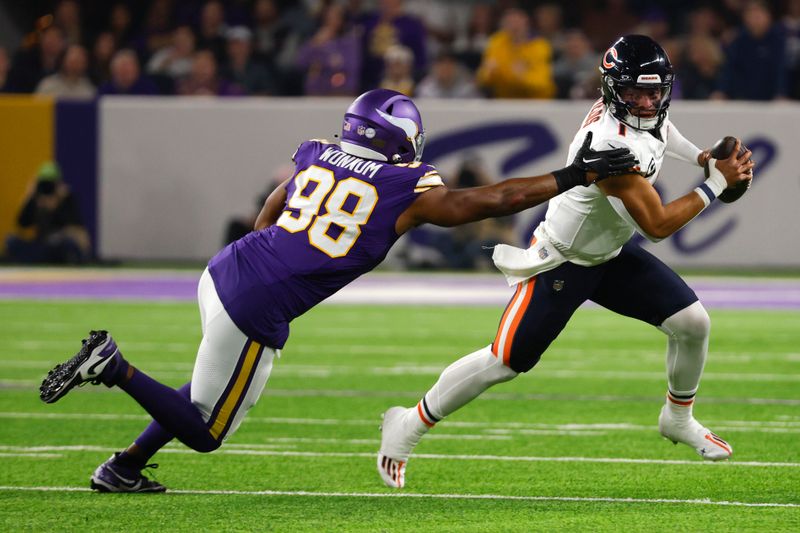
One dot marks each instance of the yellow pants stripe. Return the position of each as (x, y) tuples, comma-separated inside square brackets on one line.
[(226, 411)]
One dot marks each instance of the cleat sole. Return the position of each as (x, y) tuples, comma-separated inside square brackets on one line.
[(65, 376)]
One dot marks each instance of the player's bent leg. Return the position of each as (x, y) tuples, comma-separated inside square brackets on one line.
[(460, 383), (100, 361), (122, 472), (687, 346), (225, 388), (231, 369), (172, 410), (538, 311), (639, 285)]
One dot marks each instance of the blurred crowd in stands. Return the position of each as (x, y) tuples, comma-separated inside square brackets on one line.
[(722, 49)]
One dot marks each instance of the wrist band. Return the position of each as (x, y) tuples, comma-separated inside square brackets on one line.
[(569, 177), (713, 186)]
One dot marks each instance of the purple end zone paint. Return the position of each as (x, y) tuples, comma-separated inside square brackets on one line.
[(378, 288)]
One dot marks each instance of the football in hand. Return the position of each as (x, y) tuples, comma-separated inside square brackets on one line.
[(722, 150)]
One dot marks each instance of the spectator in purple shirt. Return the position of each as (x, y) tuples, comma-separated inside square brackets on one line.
[(126, 76), (387, 27), (332, 58)]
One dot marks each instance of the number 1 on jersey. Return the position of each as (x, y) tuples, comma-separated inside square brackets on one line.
[(312, 186)]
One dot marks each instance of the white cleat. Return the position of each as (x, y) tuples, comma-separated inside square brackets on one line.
[(396, 446), (694, 434), (393, 473)]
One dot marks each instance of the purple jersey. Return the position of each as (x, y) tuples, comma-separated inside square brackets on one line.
[(338, 223)]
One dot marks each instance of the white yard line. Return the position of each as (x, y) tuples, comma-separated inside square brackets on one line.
[(548, 372), (37, 455), (30, 384), (451, 457), (491, 428), (501, 497)]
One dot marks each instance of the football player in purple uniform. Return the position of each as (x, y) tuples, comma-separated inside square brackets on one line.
[(332, 221)]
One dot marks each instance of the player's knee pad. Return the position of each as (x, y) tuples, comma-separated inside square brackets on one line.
[(690, 322)]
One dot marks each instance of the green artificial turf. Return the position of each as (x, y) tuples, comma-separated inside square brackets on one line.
[(572, 445)]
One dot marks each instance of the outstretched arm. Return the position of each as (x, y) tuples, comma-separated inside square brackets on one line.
[(636, 200), (272, 207), (453, 207)]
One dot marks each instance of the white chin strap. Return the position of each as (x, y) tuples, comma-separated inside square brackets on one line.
[(360, 151)]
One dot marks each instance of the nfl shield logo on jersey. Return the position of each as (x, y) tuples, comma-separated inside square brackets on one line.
[(558, 285)]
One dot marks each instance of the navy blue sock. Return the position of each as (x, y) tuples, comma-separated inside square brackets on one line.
[(173, 411)]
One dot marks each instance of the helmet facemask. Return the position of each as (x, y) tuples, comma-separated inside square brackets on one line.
[(616, 95)]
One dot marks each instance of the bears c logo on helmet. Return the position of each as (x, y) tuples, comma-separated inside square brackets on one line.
[(608, 62)]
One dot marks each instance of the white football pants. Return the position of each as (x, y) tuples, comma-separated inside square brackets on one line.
[(231, 370)]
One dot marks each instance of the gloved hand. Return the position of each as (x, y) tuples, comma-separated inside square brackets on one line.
[(604, 163)]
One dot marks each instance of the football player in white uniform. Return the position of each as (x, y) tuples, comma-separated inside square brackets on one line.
[(583, 251)]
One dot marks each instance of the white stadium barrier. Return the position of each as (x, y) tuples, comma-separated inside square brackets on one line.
[(173, 171)]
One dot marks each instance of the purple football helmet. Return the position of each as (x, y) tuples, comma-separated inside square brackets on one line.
[(383, 125)]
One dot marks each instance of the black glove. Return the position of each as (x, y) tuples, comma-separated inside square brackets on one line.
[(603, 162)]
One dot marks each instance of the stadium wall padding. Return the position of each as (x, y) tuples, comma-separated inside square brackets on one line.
[(76, 153), (175, 170), (26, 141), (37, 129), (158, 178)]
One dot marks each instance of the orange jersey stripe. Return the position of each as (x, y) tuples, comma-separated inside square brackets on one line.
[(517, 318)]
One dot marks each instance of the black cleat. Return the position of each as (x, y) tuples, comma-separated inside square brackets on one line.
[(99, 353)]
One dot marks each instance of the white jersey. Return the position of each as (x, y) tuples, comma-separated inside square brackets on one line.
[(582, 223)]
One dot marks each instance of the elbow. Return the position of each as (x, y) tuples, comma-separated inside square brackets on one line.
[(654, 238), (656, 234)]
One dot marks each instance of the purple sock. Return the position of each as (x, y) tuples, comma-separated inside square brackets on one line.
[(172, 410), (152, 439)]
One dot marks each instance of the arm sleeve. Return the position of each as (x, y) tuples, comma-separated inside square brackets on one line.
[(679, 147)]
